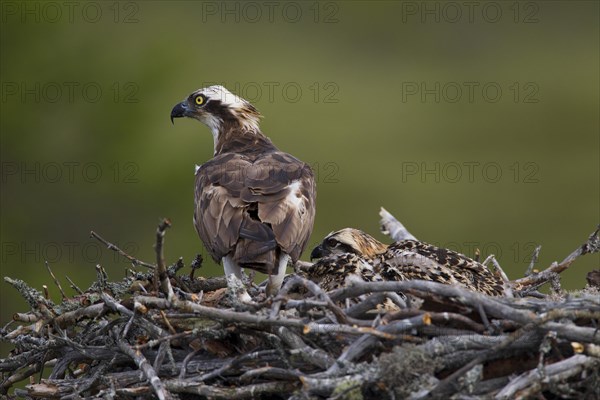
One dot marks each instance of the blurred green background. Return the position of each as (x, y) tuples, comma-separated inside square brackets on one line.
[(476, 126)]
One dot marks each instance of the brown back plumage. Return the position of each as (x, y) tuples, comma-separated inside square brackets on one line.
[(254, 203)]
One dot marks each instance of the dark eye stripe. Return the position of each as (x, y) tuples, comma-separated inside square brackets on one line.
[(332, 242), (335, 244), (346, 248)]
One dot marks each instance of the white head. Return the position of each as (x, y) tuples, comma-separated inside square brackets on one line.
[(219, 109)]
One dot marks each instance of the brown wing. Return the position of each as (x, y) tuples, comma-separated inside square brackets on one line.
[(438, 265), (267, 200)]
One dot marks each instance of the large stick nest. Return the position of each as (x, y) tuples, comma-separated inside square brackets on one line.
[(169, 335)]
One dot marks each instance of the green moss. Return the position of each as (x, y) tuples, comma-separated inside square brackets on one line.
[(406, 369), (348, 390)]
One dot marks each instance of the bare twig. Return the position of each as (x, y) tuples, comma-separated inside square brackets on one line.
[(134, 261), (506, 283), (234, 363), (491, 305), (258, 390), (560, 371), (74, 286), (253, 319), (315, 290), (364, 343), (534, 260), (196, 264), (56, 282), (143, 364), (393, 228), (592, 245), (160, 275), (152, 343), (443, 386)]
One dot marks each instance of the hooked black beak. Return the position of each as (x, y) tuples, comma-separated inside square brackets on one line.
[(178, 111), (318, 252)]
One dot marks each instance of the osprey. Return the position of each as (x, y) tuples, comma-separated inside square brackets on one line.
[(254, 204), (341, 270), (403, 260)]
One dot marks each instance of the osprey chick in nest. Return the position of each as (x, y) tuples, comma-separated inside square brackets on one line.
[(254, 204), (404, 260)]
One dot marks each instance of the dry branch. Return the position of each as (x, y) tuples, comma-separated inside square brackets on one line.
[(592, 245), (163, 335), (134, 261), (392, 227), (161, 278)]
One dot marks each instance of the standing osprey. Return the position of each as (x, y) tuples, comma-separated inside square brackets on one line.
[(254, 204), (407, 259)]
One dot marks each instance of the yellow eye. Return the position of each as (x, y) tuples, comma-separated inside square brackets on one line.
[(199, 100)]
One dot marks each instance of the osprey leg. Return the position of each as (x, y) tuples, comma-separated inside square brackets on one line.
[(276, 280), (231, 268)]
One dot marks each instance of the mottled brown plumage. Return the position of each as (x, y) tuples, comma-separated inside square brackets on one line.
[(254, 204), (241, 207), (337, 272), (404, 260)]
